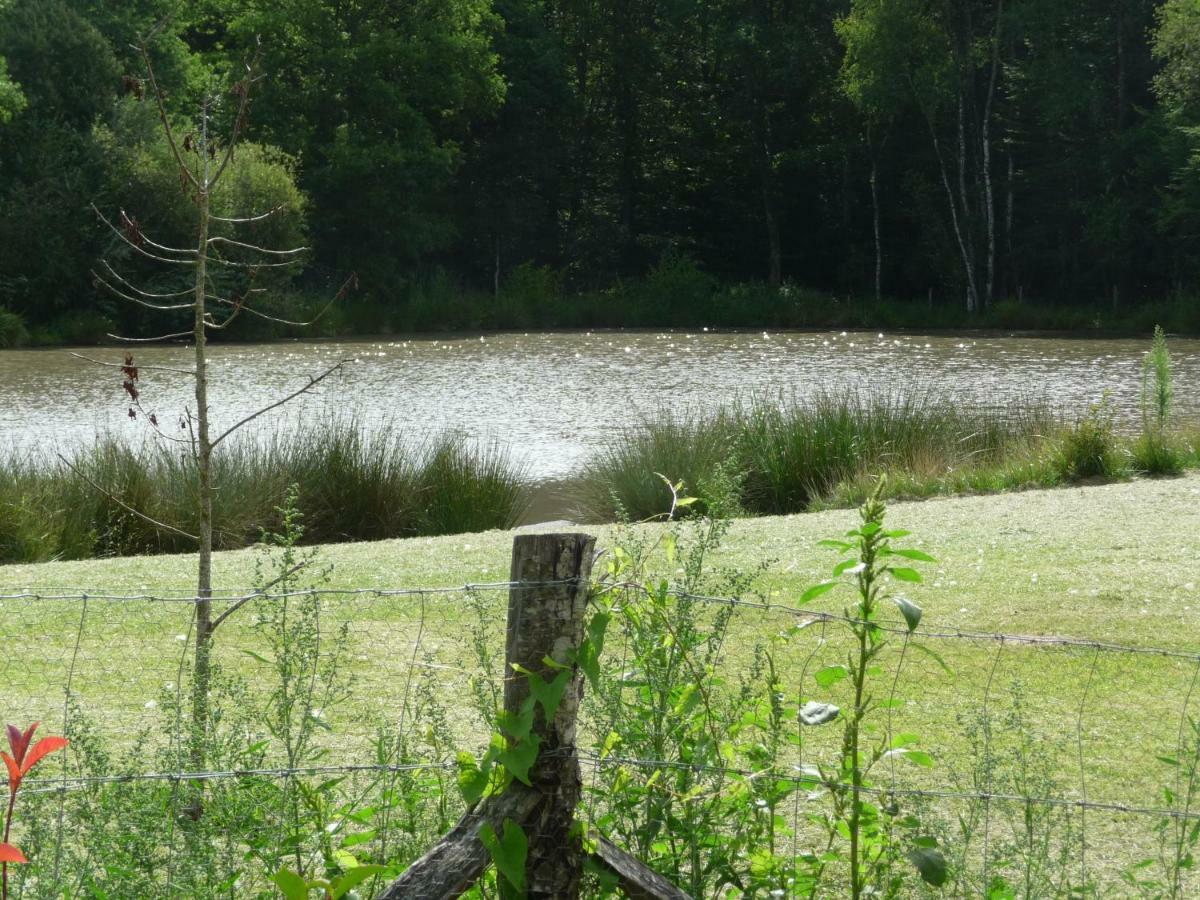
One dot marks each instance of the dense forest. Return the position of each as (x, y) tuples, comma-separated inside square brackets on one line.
[(512, 163)]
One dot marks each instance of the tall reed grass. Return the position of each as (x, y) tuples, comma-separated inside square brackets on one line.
[(789, 456), (354, 484)]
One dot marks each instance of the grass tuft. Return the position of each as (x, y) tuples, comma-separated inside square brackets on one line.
[(354, 485)]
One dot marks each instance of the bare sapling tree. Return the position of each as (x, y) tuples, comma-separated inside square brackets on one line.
[(217, 259)]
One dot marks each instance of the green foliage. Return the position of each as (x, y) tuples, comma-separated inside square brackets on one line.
[(1088, 449), (12, 329), (12, 101)]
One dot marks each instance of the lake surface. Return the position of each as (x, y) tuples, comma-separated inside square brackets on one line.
[(553, 398)]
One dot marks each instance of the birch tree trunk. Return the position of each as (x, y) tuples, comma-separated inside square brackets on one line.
[(986, 146)]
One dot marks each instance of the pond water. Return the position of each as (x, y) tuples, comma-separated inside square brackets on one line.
[(553, 398)]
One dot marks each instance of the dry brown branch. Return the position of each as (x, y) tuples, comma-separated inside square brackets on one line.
[(313, 381), (240, 121), (100, 362), (162, 109), (117, 500)]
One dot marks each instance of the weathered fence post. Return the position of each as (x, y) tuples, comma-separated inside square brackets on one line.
[(547, 605)]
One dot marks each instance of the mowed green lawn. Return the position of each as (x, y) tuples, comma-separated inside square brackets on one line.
[(1113, 563)]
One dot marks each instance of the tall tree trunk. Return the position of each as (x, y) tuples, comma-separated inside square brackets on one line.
[(986, 146), (771, 220), (875, 224), (968, 263), (202, 665), (1008, 228), (1121, 95)]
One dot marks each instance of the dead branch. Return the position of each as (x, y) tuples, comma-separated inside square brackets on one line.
[(240, 121), (149, 340), (255, 248), (186, 292), (233, 264), (312, 382), (117, 500), (142, 251), (248, 219), (100, 362), (116, 292), (258, 593), (162, 109), (346, 285)]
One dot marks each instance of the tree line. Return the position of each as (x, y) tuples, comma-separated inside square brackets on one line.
[(947, 153)]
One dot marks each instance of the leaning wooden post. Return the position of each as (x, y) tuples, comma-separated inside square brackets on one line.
[(547, 606)]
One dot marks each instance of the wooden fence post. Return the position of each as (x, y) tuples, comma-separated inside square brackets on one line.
[(547, 607)]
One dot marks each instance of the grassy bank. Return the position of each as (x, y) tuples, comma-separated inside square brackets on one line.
[(1110, 563), (771, 458), (354, 485)]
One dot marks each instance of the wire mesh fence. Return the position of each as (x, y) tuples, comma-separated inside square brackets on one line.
[(1053, 765)]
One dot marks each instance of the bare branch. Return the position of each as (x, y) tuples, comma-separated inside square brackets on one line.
[(238, 306), (346, 285), (233, 264), (145, 253), (149, 340), (186, 292), (257, 249), (115, 499), (248, 219), (258, 593), (99, 362), (119, 293), (240, 121), (312, 382), (162, 109)]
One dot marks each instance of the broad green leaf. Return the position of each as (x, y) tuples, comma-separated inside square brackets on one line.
[(588, 654), (509, 851), (472, 778), (353, 879), (930, 864), (817, 590), (518, 760), (292, 885), (549, 693), (844, 546), (903, 574), (908, 553), (830, 675), (904, 739), (852, 565), (517, 725), (910, 611)]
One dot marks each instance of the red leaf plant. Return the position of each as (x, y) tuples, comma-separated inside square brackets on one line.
[(19, 761)]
